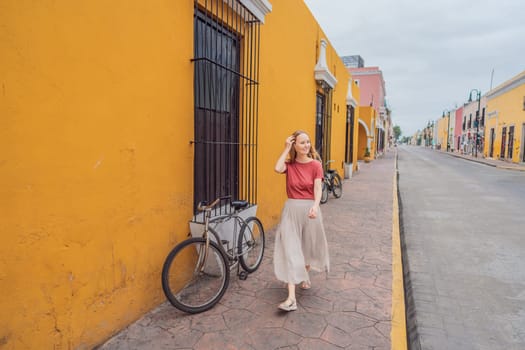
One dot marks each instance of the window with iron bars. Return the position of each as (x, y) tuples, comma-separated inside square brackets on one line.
[(323, 124), (226, 89), (349, 135)]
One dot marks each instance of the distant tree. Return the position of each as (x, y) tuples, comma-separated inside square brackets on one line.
[(397, 132)]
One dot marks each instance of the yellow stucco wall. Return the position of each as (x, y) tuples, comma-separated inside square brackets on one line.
[(442, 132), (491, 123), (505, 110), (96, 168), (367, 115), (97, 112)]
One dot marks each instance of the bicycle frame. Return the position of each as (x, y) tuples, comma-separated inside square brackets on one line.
[(328, 178), (237, 224), (196, 272), (232, 254), (329, 183)]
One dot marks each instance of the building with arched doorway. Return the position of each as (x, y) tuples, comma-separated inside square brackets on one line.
[(366, 134), (375, 118)]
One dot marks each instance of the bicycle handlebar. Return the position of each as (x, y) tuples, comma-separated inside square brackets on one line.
[(202, 205)]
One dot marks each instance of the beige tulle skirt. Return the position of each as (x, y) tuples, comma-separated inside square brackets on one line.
[(299, 241)]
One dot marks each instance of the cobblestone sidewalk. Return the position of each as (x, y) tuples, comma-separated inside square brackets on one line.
[(348, 308)]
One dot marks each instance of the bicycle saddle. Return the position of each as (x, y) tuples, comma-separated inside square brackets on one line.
[(239, 204), (331, 171)]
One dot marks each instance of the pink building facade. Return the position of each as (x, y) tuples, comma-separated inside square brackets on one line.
[(373, 92), (372, 86)]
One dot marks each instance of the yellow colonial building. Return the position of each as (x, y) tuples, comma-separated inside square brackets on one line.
[(366, 132), (442, 127), (505, 125), (117, 118)]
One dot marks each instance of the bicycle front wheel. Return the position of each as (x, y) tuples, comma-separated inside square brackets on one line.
[(324, 193), (337, 186), (251, 244), (195, 279)]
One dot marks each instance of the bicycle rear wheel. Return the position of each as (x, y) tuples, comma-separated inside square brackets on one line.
[(251, 244), (324, 193), (337, 186), (194, 281)]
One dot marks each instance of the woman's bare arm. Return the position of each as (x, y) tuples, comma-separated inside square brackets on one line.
[(280, 166), (318, 189)]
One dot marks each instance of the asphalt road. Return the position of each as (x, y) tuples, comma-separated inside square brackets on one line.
[(464, 230)]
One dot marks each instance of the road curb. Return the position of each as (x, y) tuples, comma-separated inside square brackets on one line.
[(509, 168), (412, 335), (480, 161), (399, 323), (469, 159)]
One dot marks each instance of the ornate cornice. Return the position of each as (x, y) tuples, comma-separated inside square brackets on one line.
[(321, 72), (350, 100), (259, 8)]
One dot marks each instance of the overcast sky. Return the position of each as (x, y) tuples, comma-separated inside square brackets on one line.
[(431, 53)]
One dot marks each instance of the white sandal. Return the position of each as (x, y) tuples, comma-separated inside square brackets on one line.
[(288, 305)]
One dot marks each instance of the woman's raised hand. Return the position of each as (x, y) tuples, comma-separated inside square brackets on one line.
[(289, 141)]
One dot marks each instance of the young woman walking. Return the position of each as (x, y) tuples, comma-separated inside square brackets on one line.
[(300, 241)]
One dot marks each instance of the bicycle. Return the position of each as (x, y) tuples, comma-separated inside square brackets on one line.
[(331, 183), (196, 273)]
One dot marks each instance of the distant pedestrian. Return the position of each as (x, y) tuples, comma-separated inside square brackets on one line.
[(300, 242)]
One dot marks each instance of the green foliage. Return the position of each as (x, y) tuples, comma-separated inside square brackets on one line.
[(367, 152), (397, 132)]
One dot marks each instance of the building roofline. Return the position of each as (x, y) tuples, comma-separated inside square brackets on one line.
[(356, 72), (510, 84)]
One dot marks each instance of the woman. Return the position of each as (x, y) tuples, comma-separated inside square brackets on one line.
[(300, 242)]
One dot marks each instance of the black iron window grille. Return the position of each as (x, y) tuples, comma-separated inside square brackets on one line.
[(323, 124), (226, 89), (380, 139), (503, 142), (349, 150), (510, 147)]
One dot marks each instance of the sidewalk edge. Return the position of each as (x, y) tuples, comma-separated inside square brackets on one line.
[(480, 161), (398, 333), (509, 168)]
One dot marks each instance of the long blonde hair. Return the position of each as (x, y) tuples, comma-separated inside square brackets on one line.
[(312, 153)]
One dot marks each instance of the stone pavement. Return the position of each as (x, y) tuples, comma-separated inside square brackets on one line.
[(502, 164), (348, 308)]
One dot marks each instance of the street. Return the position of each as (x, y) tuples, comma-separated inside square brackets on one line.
[(463, 224)]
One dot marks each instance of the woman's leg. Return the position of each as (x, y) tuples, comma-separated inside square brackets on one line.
[(289, 304), (291, 291)]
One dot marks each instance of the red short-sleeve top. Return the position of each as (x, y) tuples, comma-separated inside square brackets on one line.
[(300, 179)]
